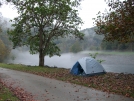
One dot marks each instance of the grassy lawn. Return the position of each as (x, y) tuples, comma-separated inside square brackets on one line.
[(109, 52), (6, 94), (115, 53), (122, 84)]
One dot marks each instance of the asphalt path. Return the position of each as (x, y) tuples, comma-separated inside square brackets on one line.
[(43, 88)]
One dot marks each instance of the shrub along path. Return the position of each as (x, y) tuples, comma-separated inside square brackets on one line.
[(115, 83)]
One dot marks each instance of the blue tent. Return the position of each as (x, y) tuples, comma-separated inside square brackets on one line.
[(77, 69), (87, 66)]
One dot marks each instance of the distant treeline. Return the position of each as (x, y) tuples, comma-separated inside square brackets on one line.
[(72, 45), (91, 41), (117, 46), (5, 44)]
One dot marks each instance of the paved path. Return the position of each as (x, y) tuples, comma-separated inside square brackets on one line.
[(54, 90)]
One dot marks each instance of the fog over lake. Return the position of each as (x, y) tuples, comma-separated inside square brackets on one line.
[(113, 63)]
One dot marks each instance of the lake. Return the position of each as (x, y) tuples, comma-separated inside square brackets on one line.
[(118, 62)]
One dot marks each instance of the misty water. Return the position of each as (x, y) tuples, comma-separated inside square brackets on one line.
[(119, 63)]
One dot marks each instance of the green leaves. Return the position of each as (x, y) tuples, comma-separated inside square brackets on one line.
[(76, 47), (94, 56), (3, 51), (42, 21)]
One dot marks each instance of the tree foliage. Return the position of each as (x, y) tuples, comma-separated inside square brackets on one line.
[(5, 44), (4, 2), (41, 22), (118, 23), (76, 47), (115, 45), (3, 51)]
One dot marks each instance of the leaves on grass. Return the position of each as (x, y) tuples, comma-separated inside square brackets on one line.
[(117, 83), (18, 92)]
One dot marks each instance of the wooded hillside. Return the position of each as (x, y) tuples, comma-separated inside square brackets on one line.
[(5, 44)]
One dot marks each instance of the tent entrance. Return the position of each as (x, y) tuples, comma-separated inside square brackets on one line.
[(77, 69)]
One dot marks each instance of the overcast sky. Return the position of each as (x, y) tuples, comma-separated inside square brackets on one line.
[(89, 9)]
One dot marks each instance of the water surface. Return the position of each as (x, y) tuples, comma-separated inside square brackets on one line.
[(113, 62)]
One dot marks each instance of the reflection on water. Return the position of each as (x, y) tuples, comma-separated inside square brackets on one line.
[(112, 63)]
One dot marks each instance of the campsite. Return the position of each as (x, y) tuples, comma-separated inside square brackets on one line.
[(67, 50), (112, 82)]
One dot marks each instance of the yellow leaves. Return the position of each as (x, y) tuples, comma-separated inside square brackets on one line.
[(116, 28), (2, 50)]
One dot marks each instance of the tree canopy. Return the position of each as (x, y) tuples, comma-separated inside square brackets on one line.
[(41, 22), (2, 50), (118, 23), (5, 44), (76, 47)]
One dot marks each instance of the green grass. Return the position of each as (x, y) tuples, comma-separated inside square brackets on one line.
[(106, 82), (35, 69), (6, 94), (110, 52), (116, 53)]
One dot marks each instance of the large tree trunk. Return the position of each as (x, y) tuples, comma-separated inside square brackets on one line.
[(41, 58), (41, 54)]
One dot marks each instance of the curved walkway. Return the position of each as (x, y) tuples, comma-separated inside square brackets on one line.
[(45, 89)]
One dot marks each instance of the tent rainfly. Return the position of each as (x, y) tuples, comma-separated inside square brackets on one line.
[(87, 66)]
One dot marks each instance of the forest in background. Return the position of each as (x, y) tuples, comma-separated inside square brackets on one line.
[(92, 41), (5, 44)]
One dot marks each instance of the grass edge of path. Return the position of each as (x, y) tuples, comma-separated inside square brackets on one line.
[(53, 73)]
